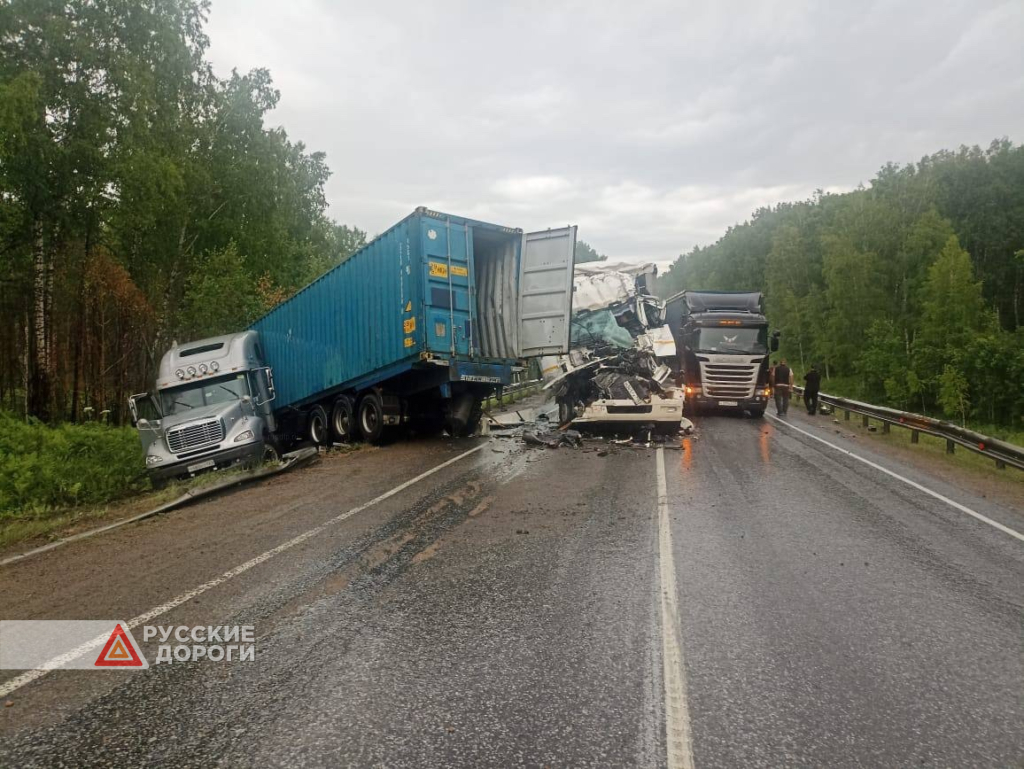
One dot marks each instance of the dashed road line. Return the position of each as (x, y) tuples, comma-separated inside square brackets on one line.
[(28, 677)]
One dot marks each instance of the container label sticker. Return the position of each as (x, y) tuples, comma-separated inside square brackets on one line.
[(462, 272), (409, 325), (409, 341), (440, 329), (438, 270)]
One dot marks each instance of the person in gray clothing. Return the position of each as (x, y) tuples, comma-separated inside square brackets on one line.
[(782, 386)]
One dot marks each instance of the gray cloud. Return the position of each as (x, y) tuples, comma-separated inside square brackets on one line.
[(652, 125)]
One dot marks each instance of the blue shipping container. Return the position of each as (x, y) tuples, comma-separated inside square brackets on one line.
[(433, 292)]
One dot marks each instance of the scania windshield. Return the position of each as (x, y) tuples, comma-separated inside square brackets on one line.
[(732, 339)]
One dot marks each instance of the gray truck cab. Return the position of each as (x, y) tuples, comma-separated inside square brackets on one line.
[(211, 407)]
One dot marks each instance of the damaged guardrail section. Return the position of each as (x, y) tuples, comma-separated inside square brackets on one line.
[(1002, 452)]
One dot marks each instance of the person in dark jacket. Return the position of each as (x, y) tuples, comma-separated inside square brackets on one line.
[(782, 386), (812, 383)]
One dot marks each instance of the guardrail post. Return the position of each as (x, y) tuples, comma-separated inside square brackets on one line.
[(864, 420), (915, 436), (950, 446), (885, 427), (847, 416), (1000, 464)]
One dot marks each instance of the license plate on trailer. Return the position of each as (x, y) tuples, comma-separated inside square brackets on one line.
[(200, 466), (728, 403)]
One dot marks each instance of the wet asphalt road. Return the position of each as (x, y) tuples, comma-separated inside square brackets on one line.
[(505, 611)]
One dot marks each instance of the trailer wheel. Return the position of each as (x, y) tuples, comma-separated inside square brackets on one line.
[(371, 418), (316, 425), (343, 419)]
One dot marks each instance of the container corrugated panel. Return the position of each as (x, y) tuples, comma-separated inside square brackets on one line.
[(350, 322)]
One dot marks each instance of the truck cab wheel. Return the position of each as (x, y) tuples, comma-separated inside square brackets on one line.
[(371, 418), (343, 423), (316, 426), (757, 413)]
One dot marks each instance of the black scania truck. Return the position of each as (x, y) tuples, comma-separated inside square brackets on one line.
[(722, 345)]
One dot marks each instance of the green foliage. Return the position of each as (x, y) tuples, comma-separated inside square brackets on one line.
[(954, 393), (584, 253), (46, 469), (116, 136), (220, 296), (909, 292)]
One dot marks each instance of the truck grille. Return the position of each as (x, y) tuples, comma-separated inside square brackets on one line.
[(194, 435), (729, 380)]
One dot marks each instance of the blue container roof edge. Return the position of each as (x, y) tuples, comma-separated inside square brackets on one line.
[(419, 211)]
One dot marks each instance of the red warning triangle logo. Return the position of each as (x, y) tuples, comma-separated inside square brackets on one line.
[(119, 651)]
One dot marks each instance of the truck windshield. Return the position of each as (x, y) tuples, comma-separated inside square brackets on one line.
[(733, 339), (207, 392)]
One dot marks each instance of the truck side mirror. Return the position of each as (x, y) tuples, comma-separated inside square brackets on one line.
[(773, 345), (269, 380)]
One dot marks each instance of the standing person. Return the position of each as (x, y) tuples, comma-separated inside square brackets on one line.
[(812, 383), (782, 384)]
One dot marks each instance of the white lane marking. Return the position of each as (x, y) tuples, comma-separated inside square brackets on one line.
[(29, 676), (677, 713), (915, 484)]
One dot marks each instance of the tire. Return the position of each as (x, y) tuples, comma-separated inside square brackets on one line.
[(371, 418), (270, 453), (757, 413), (343, 420), (566, 412), (317, 430)]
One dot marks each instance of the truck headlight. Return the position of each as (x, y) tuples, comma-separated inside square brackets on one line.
[(153, 459), (243, 436), (203, 368), (191, 371), (214, 366), (180, 373)]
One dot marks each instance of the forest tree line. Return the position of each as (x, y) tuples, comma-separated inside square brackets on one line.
[(909, 292), (143, 199)]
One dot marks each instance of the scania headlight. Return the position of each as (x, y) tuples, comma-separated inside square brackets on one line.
[(243, 436), (191, 371), (180, 373), (153, 459), (203, 368), (214, 366)]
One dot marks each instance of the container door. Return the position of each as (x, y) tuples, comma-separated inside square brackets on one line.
[(545, 292), (446, 277)]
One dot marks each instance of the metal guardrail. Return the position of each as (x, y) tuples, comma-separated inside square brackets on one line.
[(1002, 452)]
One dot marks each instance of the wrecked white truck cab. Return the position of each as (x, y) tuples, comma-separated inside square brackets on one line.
[(617, 373)]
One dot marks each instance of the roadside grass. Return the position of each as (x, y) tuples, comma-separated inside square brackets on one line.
[(935, 448), (19, 526)]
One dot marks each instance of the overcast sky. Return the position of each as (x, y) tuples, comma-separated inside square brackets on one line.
[(653, 126)]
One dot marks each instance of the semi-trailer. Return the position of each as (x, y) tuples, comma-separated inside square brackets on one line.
[(416, 328)]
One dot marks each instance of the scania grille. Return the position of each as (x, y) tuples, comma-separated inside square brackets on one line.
[(194, 435), (729, 380)]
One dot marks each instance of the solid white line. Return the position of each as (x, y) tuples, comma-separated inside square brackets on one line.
[(677, 713), (915, 484), (28, 677)]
